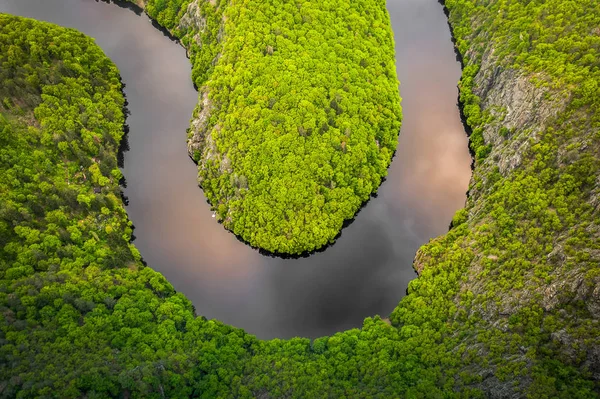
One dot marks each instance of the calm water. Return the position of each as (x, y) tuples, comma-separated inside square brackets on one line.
[(367, 271)]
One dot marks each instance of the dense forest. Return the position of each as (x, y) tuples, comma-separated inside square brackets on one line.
[(299, 113), (506, 305), (80, 315)]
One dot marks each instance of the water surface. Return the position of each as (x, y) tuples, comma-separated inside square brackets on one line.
[(367, 271)]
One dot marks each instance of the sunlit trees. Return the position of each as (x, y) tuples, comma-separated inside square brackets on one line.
[(305, 107)]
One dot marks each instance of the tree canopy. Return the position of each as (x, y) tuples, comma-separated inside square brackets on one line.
[(303, 113)]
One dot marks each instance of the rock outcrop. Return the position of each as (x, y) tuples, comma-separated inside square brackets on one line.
[(533, 271), (520, 108)]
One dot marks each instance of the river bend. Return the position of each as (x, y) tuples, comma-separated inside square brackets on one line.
[(368, 269)]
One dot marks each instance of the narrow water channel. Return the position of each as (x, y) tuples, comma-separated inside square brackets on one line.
[(367, 271)]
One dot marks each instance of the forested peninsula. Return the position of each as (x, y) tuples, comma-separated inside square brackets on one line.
[(298, 116), (506, 305)]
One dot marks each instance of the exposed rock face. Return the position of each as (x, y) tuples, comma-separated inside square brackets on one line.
[(199, 134), (201, 145), (193, 21), (517, 103), (558, 287), (524, 110), (572, 287), (518, 106), (193, 18)]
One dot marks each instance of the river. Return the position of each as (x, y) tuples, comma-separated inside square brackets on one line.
[(367, 270)]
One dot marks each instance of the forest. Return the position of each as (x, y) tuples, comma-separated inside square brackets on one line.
[(303, 113), (80, 314), (506, 303)]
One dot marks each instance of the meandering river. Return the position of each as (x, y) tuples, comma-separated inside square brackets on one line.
[(368, 269)]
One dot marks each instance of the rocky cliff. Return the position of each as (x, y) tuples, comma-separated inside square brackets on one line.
[(528, 282)]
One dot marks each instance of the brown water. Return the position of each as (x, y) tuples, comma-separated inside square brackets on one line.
[(367, 271)]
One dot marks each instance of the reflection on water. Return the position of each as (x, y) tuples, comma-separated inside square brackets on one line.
[(366, 272)]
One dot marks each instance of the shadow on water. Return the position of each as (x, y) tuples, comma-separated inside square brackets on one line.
[(139, 11), (124, 145), (459, 57), (124, 4), (165, 31)]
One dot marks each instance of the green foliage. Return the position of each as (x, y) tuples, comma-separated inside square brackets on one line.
[(504, 301), (166, 12), (305, 113), (79, 313)]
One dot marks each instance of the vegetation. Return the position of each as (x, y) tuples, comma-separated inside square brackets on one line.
[(506, 302), (79, 313), (304, 113)]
